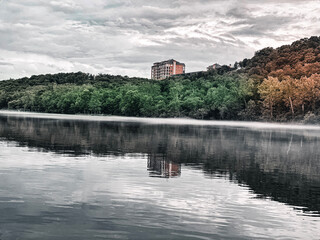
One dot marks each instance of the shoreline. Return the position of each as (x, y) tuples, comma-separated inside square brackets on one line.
[(160, 121)]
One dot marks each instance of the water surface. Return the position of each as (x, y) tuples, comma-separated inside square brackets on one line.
[(129, 179)]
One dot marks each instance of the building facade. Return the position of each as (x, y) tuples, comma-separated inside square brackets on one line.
[(162, 70)]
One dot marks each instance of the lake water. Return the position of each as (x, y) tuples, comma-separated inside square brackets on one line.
[(125, 178)]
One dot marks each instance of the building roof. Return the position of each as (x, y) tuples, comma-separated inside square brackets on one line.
[(170, 61)]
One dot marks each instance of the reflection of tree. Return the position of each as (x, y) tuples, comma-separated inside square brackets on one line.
[(159, 166), (282, 164)]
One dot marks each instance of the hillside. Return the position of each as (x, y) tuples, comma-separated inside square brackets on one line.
[(275, 84), (288, 79)]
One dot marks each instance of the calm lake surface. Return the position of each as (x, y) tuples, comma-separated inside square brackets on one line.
[(118, 178)]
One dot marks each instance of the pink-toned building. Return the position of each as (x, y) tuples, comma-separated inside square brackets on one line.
[(162, 70)]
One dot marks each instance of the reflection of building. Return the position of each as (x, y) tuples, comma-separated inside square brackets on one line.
[(162, 70), (159, 166)]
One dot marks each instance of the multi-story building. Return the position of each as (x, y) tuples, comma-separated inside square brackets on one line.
[(162, 70)]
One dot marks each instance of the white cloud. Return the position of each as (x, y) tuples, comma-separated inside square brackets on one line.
[(126, 37)]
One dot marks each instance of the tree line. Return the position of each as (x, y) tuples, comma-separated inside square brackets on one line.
[(276, 84), (212, 96)]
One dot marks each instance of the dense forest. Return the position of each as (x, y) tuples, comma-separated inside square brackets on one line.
[(276, 84)]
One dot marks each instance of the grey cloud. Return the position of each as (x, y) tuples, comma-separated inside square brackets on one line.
[(239, 13), (66, 7), (268, 22), (5, 64), (128, 36)]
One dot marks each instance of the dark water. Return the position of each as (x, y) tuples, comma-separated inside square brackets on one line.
[(68, 179)]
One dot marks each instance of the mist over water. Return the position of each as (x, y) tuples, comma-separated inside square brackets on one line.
[(126, 178), (164, 121)]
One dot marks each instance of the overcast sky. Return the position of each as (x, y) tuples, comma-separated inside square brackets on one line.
[(126, 36)]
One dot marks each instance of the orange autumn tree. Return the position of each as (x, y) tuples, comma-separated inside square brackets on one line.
[(288, 91), (270, 92), (308, 92), (290, 96), (290, 77)]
